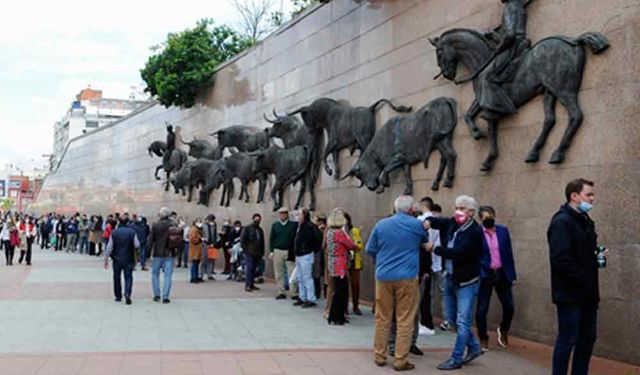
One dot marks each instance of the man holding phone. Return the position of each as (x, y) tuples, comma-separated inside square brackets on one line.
[(573, 250)]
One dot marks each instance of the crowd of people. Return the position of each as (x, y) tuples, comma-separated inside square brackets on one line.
[(468, 256), (418, 255)]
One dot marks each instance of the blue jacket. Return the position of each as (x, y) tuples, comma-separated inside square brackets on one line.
[(506, 254), (142, 231), (395, 243)]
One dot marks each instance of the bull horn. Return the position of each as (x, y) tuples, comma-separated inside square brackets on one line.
[(437, 75), (267, 119), (185, 142), (434, 42)]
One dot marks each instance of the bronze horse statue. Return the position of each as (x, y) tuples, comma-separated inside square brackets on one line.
[(552, 67)]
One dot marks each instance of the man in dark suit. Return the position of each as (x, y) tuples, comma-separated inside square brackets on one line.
[(574, 278), (497, 271), (252, 242), (121, 248)]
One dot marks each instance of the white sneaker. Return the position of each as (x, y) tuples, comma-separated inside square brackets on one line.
[(425, 331)]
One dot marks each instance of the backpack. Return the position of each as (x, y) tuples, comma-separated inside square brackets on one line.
[(174, 237)]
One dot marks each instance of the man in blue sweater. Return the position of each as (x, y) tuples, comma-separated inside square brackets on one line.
[(395, 244)]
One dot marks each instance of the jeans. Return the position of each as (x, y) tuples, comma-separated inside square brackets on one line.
[(206, 265), (166, 263), (71, 242), (118, 269), (465, 299), (306, 288), (250, 263), (497, 280), (195, 264), (437, 285), (449, 299), (577, 333), (84, 244), (143, 254)]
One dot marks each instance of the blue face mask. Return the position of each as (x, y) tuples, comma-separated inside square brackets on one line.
[(585, 207)]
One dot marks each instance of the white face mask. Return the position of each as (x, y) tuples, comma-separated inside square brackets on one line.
[(199, 225)]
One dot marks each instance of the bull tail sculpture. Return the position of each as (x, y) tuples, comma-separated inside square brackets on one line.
[(399, 109)]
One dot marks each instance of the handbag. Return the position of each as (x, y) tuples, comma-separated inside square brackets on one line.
[(212, 253)]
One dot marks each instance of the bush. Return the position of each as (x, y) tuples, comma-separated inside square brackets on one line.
[(186, 61)]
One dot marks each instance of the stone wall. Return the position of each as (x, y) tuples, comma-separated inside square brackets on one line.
[(363, 51)]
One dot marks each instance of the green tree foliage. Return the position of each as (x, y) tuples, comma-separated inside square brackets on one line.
[(186, 61)]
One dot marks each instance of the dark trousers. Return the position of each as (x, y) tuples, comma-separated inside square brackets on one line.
[(354, 279), (58, 241), (495, 280), (92, 248), (250, 263), (340, 300), (426, 317), (8, 251), (577, 334), (29, 249), (227, 260), (118, 269), (45, 240)]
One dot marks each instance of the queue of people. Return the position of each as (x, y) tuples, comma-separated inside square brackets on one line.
[(417, 253)]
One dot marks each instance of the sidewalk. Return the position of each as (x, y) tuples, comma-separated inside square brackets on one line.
[(63, 320)]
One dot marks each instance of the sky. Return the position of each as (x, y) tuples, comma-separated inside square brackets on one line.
[(49, 51)]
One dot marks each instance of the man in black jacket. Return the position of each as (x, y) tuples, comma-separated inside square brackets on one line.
[(252, 242), (121, 248), (307, 242), (574, 278), (461, 251)]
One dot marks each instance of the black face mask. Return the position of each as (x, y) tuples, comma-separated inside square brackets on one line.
[(489, 223)]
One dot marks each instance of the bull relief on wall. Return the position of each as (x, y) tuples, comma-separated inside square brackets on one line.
[(506, 71)]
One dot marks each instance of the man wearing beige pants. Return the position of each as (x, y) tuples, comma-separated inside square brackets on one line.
[(281, 240), (395, 244)]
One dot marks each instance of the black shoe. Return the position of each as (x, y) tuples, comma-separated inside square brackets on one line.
[(357, 311), (255, 288), (298, 303), (156, 299), (295, 298), (118, 299), (260, 281), (127, 300), (166, 300), (308, 304), (281, 296), (471, 356), (449, 364), (415, 350)]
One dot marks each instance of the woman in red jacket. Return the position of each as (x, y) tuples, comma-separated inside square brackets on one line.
[(338, 244)]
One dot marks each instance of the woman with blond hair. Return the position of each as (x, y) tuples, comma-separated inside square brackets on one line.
[(338, 244)]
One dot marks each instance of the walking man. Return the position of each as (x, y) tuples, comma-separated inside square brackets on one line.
[(574, 278), (121, 248), (281, 250), (497, 272), (163, 243), (461, 250), (395, 243)]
